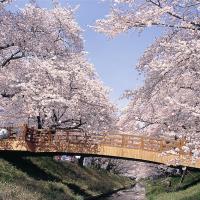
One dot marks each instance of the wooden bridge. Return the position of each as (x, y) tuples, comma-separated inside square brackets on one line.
[(126, 146)]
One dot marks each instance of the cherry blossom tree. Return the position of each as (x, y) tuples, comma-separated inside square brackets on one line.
[(168, 102), (128, 14), (64, 93), (45, 74), (34, 31)]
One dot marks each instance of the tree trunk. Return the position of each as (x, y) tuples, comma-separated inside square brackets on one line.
[(81, 161), (39, 122), (183, 175)]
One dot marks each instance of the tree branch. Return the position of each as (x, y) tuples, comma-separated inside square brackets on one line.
[(7, 46), (175, 15), (6, 95), (14, 56)]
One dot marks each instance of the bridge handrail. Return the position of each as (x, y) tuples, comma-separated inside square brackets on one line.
[(40, 137)]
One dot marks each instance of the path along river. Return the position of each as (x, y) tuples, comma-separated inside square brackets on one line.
[(135, 193)]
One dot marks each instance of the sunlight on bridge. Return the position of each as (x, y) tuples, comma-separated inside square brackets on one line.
[(117, 145)]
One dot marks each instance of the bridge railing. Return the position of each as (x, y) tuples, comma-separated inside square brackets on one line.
[(143, 142), (46, 137)]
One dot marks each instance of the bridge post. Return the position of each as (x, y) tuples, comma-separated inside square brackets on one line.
[(161, 146), (141, 142), (24, 131), (49, 132), (124, 140), (182, 142), (9, 131)]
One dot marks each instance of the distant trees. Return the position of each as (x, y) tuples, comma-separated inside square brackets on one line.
[(44, 71), (116, 166), (169, 101)]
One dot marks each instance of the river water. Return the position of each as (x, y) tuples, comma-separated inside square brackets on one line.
[(135, 193)]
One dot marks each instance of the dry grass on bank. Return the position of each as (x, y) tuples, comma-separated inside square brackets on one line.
[(42, 178)]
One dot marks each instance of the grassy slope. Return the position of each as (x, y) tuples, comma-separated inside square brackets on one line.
[(42, 178), (188, 190)]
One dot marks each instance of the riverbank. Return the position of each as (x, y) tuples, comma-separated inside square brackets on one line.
[(136, 192), (43, 178), (170, 188), (104, 196)]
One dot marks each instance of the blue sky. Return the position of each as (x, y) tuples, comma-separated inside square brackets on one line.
[(114, 59)]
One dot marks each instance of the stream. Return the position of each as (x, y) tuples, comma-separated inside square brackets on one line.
[(135, 193)]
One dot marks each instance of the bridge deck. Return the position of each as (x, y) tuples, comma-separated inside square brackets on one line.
[(113, 145)]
